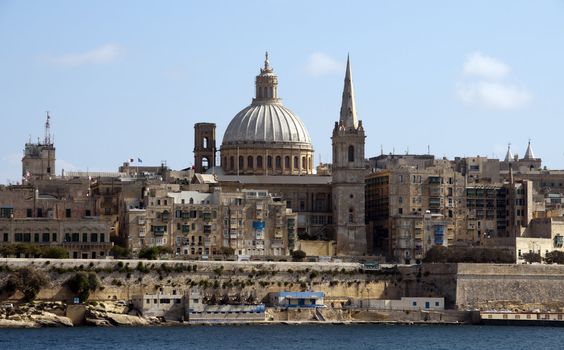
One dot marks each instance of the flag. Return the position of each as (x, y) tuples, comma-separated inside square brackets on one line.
[(139, 160)]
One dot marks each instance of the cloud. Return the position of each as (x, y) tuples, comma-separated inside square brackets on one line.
[(478, 64), (67, 166), (321, 64), (486, 83), (103, 54), (494, 95)]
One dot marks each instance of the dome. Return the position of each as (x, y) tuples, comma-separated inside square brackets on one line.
[(266, 123)]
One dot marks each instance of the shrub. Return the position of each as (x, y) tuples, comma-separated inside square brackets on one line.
[(226, 251), (153, 253), (119, 252), (298, 255), (532, 257), (55, 253), (554, 257), (82, 283), (27, 280)]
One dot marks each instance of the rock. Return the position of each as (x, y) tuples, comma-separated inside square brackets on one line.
[(126, 320), (17, 324), (48, 319), (97, 322)]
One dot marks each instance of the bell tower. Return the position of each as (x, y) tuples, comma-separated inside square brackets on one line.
[(204, 147), (349, 172), (38, 161)]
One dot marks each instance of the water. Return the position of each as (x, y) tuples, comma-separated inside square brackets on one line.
[(272, 337)]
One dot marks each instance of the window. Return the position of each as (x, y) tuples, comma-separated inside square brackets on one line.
[(68, 213), (205, 142), (259, 162), (29, 212), (414, 303), (85, 237), (278, 162), (39, 212), (351, 153), (304, 165), (36, 237), (102, 238), (241, 162), (269, 162), (54, 239), (75, 237), (6, 237), (351, 216), (93, 237), (250, 162), (87, 212), (287, 162), (231, 163)]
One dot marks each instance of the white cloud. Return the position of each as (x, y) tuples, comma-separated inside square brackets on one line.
[(495, 95), (102, 54), (486, 83), (67, 166), (484, 66), (321, 64)]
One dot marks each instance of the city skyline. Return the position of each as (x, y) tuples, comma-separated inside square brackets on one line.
[(121, 84)]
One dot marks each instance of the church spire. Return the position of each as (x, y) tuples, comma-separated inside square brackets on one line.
[(348, 108), (529, 153), (508, 155)]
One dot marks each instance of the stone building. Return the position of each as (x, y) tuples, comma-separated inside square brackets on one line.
[(397, 195), (543, 235), (38, 161), (267, 147)]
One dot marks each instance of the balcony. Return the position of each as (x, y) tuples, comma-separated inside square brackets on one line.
[(259, 235)]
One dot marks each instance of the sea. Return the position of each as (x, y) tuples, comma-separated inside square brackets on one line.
[(272, 337)]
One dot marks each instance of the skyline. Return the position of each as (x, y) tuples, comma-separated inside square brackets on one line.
[(135, 78)]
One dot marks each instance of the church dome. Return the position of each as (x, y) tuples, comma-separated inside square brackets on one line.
[(266, 123)]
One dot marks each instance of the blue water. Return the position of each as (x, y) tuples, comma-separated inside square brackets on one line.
[(322, 337)]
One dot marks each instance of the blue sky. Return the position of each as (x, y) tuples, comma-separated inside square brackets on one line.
[(130, 78)]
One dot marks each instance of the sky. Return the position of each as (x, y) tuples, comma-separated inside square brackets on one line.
[(128, 79)]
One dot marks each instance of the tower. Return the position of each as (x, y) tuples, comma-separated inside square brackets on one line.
[(38, 161), (204, 146), (349, 171)]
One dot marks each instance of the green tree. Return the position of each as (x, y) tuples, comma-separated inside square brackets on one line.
[(54, 253), (153, 253), (27, 280), (119, 252), (554, 257), (298, 255), (437, 254), (532, 257), (82, 283), (226, 251)]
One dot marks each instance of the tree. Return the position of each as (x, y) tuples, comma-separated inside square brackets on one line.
[(226, 251), (27, 280), (437, 254), (119, 252), (153, 253), (554, 257), (54, 253), (82, 283), (532, 257), (298, 255)]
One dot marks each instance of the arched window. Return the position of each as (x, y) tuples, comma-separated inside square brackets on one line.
[(205, 142), (241, 162), (231, 163), (296, 165), (259, 162), (205, 164), (250, 162), (351, 216), (278, 162), (269, 162), (351, 153), (287, 162), (191, 201)]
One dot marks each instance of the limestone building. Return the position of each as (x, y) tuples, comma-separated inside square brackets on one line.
[(38, 161)]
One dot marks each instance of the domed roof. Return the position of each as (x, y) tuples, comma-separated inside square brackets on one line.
[(266, 120), (268, 123)]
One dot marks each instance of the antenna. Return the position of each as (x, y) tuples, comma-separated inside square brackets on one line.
[(47, 140)]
